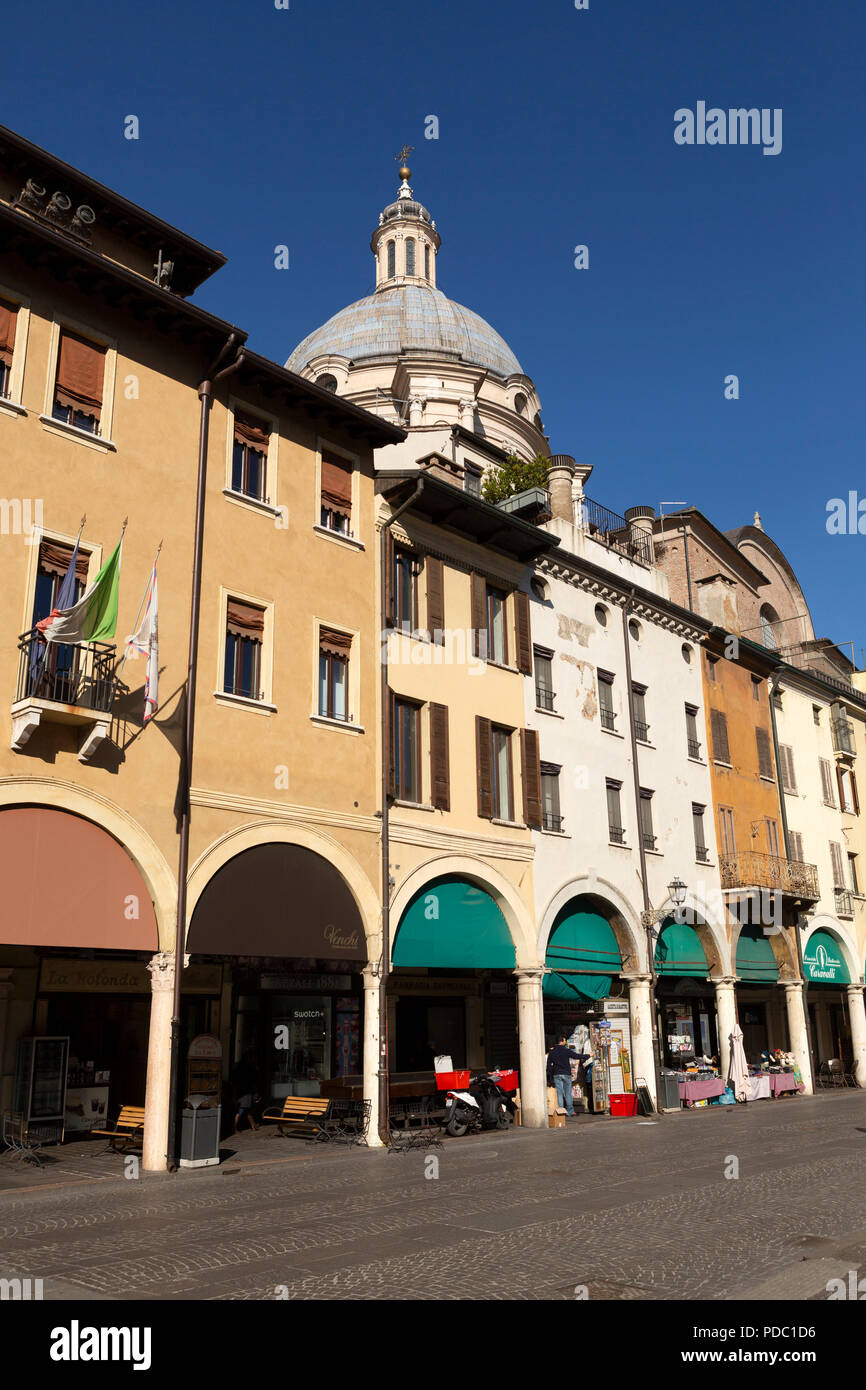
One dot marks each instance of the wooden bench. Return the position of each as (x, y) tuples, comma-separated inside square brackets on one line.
[(306, 1115), (128, 1129)]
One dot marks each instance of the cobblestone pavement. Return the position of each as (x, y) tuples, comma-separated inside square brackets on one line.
[(630, 1209)]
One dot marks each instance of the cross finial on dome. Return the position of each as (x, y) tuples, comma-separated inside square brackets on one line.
[(404, 171), (757, 521)]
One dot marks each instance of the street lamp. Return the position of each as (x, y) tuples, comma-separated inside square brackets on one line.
[(677, 891)]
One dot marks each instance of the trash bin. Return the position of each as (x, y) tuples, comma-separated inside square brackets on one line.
[(670, 1096), (200, 1136)]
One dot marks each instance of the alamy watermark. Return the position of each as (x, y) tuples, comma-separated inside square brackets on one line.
[(736, 126), (21, 516)]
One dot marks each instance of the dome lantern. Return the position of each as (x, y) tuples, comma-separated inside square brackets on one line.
[(405, 242)]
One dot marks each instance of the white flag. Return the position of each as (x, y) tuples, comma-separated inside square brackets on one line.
[(145, 643)]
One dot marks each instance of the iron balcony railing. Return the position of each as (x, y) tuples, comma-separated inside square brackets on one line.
[(843, 736), (641, 731), (649, 841), (551, 822), (608, 717), (66, 675), (751, 869), (612, 529), (694, 748), (617, 834), (543, 697), (702, 854), (844, 902)]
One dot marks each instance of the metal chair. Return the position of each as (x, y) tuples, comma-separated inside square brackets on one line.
[(838, 1074)]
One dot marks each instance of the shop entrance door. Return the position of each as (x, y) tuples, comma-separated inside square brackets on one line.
[(427, 1028), (753, 1021)]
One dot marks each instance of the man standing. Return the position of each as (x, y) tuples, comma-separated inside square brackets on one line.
[(559, 1073)]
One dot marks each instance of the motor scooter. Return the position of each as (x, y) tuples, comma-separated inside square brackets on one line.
[(485, 1105)]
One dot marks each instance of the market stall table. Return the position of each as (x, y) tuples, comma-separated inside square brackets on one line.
[(785, 1081), (758, 1088), (705, 1089)]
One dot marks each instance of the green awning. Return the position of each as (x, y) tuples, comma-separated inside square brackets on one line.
[(755, 959), (679, 951), (580, 941), (452, 925), (823, 962)]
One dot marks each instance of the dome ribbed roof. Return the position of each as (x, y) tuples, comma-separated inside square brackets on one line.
[(408, 318)]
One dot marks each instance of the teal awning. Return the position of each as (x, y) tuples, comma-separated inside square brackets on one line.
[(679, 951), (452, 925), (755, 959), (823, 962), (581, 941)]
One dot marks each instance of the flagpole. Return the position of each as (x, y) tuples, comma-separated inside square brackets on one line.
[(147, 589)]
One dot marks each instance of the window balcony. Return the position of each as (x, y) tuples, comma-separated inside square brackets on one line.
[(702, 854), (751, 869), (617, 834), (694, 748), (61, 684), (551, 822), (844, 899), (641, 731), (608, 718), (649, 841), (544, 697), (843, 737)]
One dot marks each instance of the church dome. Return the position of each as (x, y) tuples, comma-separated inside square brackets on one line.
[(408, 318)]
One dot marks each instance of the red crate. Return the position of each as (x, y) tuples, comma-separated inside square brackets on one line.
[(452, 1080), (506, 1079), (623, 1103)]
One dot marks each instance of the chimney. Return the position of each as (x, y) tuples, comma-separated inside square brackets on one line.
[(559, 476)]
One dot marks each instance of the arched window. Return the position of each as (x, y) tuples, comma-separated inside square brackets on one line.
[(769, 618), (327, 380), (426, 262), (392, 263), (410, 255)]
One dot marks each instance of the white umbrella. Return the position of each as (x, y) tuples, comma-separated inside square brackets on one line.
[(738, 1074)]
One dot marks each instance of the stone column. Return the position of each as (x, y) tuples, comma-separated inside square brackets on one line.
[(158, 1085), (474, 1031), (726, 1020), (530, 1027), (466, 407), (640, 1008), (857, 1014), (416, 410), (559, 480), (370, 1052), (797, 1032)]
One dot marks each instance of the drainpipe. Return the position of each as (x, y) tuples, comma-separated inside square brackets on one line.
[(205, 395), (386, 847), (688, 566), (774, 681), (643, 868)]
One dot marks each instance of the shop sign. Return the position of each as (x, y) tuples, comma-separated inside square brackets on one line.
[(205, 1045), (433, 984), (614, 1006), (71, 976), (287, 983), (822, 964)]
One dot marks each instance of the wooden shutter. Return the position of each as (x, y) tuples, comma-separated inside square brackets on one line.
[(646, 815), (478, 596), (786, 758), (243, 620), (796, 842), (841, 785), (838, 868), (335, 643), (613, 808), (54, 558), (765, 761), (255, 434), (80, 374), (522, 630), (8, 321), (440, 778), (435, 599), (827, 782), (336, 485), (530, 768), (484, 771), (388, 576), (392, 746), (854, 793), (719, 726)]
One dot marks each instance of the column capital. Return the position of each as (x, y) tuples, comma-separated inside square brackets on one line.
[(724, 981), (792, 986), (637, 979), (857, 987), (161, 970), (532, 974), (372, 976)]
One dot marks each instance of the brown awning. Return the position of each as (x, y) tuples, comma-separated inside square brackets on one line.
[(54, 558), (80, 374), (335, 643), (254, 433), (336, 483), (8, 320), (243, 620), (66, 882), (278, 900)]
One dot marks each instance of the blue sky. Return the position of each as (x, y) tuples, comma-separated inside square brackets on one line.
[(261, 126)]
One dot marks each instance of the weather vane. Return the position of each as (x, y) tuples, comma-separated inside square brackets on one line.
[(404, 154)]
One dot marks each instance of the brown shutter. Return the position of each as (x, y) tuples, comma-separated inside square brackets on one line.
[(80, 374), (392, 751), (54, 558), (242, 620), (522, 629), (765, 761), (796, 842), (255, 434), (388, 577), (337, 484), (841, 786), (479, 615), (435, 598), (531, 774), (439, 761), (8, 321), (719, 726), (827, 782), (838, 871), (484, 771), (854, 793)]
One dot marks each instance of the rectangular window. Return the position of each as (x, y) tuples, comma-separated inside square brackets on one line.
[(497, 645), (848, 791), (614, 812), (641, 727), (777, 699), (79, 382), (245, 627), (852, 873), (551, 816), (838, 872), (816, 714), (407, 737), (53, 669), (605, 700), (404, 589), (8, 325), (827, 782), (796, 842), (543, 679), (702, 854), (772, 831), (711, 668), (692, 740), (786, 758), (500, 763), (719, 726), (756, 689), (334, 652), (727, 837), (472, 480), (250, 456), (765, 758), (336, 494), (646, 819)]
